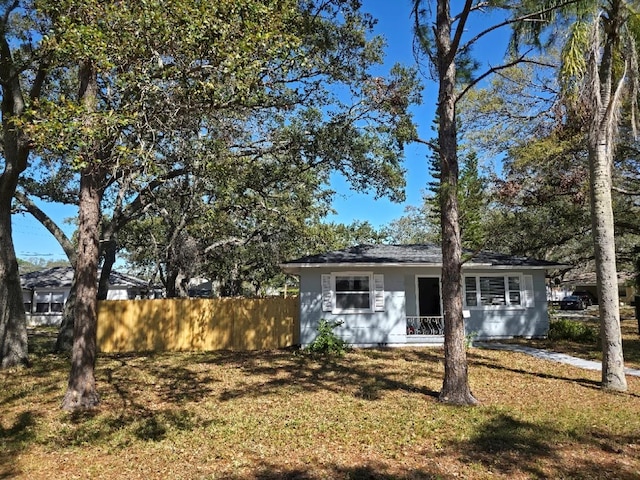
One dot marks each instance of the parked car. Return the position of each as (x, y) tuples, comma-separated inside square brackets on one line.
[(572, 302), (586, 296)]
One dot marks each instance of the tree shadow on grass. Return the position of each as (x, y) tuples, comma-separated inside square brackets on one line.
[(15, 439), (478, 359), (511, 446), (370, 471), (301, 371)]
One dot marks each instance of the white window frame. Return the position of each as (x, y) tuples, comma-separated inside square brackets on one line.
[(375, 292), (47, 298), (523, 295)]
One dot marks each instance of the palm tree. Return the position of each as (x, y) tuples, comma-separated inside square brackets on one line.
[(599, 72)]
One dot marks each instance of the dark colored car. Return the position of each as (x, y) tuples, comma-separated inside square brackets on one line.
[(586, 296), (572, 302)]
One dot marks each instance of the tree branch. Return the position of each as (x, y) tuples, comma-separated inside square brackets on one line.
[(49, 224), (492, 70)]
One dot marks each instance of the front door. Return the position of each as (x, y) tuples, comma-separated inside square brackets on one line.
[(429, 297)]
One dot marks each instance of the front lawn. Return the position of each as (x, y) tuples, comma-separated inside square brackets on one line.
[(372, 414)]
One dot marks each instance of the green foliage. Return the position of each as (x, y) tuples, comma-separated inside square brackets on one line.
[(35, 264), (415, 226), (564, 329), (224, 136), (472, 201), (327, 342)]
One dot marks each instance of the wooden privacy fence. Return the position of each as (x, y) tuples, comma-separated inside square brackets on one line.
[(197, 324)]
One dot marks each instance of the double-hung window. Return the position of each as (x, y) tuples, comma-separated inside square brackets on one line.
[(49, 302), (493, 290), (352, 292)]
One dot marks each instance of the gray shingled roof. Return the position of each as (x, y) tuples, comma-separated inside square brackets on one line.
[(422, 254), (61, 277)]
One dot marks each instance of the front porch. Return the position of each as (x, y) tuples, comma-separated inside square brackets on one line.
[(425, 329)]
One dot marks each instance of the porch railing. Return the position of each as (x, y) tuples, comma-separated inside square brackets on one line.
[(425, 326)]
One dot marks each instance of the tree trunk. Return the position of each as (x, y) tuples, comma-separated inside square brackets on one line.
[(455, 387), (13, 321), (613, 377), (603, 131), (81, 390), (109, 255), (64, 340)]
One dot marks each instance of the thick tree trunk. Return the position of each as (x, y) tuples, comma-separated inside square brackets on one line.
[(603, 131), (455, 388), (81, 390), (15, 149), (13, 322)]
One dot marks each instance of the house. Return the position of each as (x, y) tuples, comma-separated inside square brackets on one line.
[(584, 279), (45, 292), (391, 295)]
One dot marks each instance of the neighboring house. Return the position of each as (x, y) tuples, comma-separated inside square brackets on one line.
[(45, 292), (391, 295), (585, 280)]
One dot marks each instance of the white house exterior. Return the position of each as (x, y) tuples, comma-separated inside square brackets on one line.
[(45, 292), (391, 295)]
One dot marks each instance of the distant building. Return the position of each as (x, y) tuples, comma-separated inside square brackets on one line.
[(45, 292)]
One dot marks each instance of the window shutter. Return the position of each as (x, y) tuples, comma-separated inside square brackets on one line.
[(327, 294), (378, 298), (529, 298)]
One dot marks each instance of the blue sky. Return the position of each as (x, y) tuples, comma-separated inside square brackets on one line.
[(394, 23)]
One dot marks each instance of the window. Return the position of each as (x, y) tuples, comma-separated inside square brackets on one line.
[(470, 292), (49, 302), (493, 290), (352, 292), (26, 301)]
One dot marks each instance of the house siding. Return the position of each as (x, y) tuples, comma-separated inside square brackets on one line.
[(363, 329), (400, 300), (486, 323)]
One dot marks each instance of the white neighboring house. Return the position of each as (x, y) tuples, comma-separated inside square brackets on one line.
[(45, 292)]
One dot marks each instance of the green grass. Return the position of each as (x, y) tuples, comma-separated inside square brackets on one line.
[(371, 414)]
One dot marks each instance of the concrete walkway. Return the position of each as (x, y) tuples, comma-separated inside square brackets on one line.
[(553, 356)]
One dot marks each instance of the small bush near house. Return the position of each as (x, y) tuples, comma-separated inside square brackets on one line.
[(327, 342), (564, 329)]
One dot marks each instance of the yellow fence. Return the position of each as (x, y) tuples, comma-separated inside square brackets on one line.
[(197, 324)]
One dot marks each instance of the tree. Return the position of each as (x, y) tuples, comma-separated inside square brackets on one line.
[(442, 42), (22, 76), (444, 56), (252, 78), (599, 53), (598, 73), (472, 202)]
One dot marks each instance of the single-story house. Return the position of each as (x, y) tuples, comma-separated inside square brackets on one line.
[(391, 295), (45, 292)]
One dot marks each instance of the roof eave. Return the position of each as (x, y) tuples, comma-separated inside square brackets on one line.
[(294, 268)]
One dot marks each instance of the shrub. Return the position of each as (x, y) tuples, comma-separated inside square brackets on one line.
[(564, 329), (327, 342)]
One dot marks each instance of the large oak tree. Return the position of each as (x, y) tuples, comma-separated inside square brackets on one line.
[(138, 78)]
